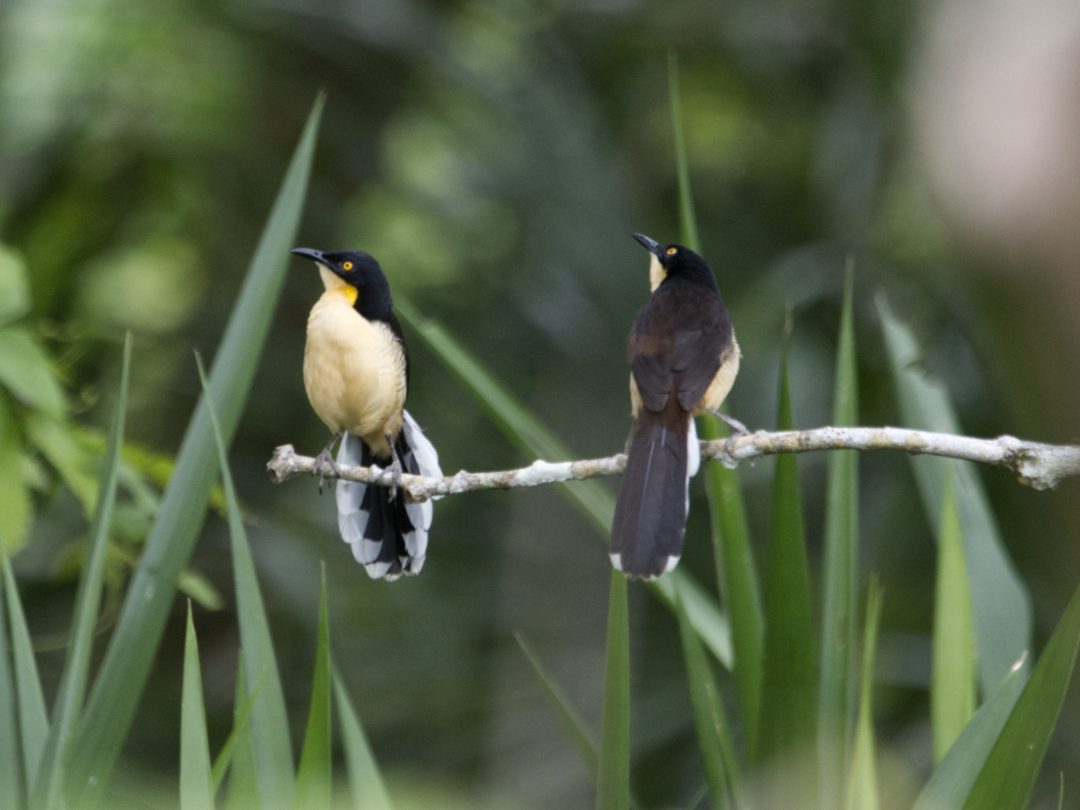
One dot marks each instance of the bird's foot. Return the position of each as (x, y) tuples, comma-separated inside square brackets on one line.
[(325, 466), (737, 427), (395, 469)]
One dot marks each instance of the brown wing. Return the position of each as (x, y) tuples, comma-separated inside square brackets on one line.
[(676, 342)]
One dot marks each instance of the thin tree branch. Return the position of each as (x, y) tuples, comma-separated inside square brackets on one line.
[(1038, 465)]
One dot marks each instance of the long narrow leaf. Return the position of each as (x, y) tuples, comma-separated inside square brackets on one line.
[(952, 682), (613, 781), (736, 574), (1009, 775), (10, 777), (732, 547), (722, 774), (243, 790), (240, 735), (126, 667), (840, 571), (196, 783), (687, 218), (573, 724), (863, 788), (16, 509), (271, 749), (47, 790), (313, 787), (952, 779), (33, 716), (789, 710), (528, 433), (365, 781), (515, 421), (1001, 607)]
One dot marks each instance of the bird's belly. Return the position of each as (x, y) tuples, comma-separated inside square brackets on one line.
[(354, 374)]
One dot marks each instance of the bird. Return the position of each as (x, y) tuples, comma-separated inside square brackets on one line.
[(356, 374), (683, 359)]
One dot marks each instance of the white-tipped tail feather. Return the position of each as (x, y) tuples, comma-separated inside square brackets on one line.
[(631, 503), (388, 537)]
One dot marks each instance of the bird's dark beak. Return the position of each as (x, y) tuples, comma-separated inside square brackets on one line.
[(651, 245), (309, 253)]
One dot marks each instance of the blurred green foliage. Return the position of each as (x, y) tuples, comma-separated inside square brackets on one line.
[(495, 157)]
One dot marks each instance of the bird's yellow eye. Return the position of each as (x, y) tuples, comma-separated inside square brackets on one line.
[(671, 251), (346, 265)]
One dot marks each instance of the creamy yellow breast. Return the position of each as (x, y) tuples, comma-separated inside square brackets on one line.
[(354, 370)]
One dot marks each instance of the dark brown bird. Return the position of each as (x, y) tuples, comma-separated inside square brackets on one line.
[(683, 360)]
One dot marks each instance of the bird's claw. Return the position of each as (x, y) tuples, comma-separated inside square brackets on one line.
[(395, 479), (737, 427), (324, 467), (395, 469)]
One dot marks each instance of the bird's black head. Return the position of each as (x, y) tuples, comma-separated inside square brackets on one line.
[(676, 261), (352, 266), (358, 270)]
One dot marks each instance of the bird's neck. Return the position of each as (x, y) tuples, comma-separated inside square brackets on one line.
[(372, 299), (702, 277)]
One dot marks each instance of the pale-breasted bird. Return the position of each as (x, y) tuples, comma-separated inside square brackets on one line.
[(356, 373)]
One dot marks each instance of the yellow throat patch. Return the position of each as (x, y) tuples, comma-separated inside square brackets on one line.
[(337, 286)]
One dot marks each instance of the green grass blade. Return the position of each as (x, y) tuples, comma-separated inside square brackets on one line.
[(243, 791), (126, 667), (954, 776), (196, 784), (1009, 775), (16, 509), (1001, 607), (789, 709), (527, 432), (239, 736), (33, 716), (732, 547), (313, 780), (952, 682), (271, 748), (736, 573), (613, 778), (840, 570), (687, 218), (365, 781), (72, 689), (10, 777), (722, 775), (573, 724), (701, 608), (515, 421), (862, 785)]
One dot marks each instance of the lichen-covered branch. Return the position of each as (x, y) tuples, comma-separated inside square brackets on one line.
[(1036, 464)]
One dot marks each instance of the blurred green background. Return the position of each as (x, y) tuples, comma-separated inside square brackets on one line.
[(495, 157)]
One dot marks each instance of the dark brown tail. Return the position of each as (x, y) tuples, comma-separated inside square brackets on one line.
[(650, 515)]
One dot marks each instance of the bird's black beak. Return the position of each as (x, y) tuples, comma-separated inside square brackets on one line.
[(309, 253), (651, 245)]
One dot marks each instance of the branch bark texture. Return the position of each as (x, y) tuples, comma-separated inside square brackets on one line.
[(1038, 465)]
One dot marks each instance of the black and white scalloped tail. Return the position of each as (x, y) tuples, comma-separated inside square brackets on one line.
[(388, 537)]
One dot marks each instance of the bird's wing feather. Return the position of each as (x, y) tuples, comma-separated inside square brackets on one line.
[(677, 337)]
